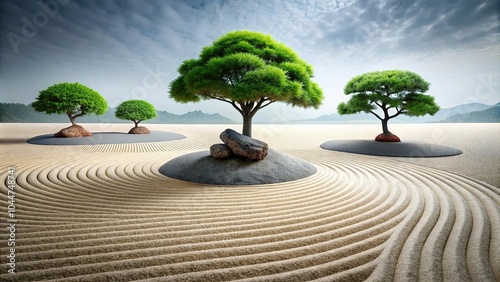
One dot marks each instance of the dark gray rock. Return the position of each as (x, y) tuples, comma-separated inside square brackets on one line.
[(107, 138), (391, 149), (221, 151), (201, 167), (244, 146)]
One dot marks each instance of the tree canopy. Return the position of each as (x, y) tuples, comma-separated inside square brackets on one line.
[(72, 99), (394, 92), (250, 71), (135, 110)]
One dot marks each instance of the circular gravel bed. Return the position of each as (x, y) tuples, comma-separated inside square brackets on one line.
[(106, 138), (390, 149), (201, 167)]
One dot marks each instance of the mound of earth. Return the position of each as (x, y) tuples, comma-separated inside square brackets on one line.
[(73, 132), (391, 149), (201, 167), (107, 138)]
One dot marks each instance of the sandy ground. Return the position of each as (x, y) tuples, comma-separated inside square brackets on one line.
[(480, 143), (105, 213)]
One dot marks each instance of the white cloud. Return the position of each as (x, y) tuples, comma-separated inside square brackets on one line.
[(113, 45)]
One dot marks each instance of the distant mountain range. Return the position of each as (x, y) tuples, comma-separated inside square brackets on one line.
[(473, 112), (491, 114), (12, 113)]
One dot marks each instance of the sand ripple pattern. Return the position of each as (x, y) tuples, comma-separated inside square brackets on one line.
[(173, 145), (113, 217)]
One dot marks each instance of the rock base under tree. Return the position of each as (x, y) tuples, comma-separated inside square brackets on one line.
[(139, 130), (383, 137), (73, 131)]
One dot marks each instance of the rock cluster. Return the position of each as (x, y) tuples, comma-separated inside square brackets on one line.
[(73, 131), (238, 145), (221, 151)]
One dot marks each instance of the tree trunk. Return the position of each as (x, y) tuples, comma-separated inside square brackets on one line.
[(136, 123), (72, 119), (385, 129), (247, 124)]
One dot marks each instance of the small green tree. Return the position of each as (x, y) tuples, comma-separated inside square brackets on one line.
[(72, 99), (136, 111), (394, 92), (250, 71)]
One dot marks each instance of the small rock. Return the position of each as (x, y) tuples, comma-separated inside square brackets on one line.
[(221, 151), (73, 131), (382, 137), (244, 146), (139, 130)]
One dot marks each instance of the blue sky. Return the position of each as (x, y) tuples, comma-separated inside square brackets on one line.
[(127, 49)]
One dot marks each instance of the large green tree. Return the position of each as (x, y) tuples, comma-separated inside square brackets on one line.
[(249, 71), (72, 99), (393, 92), (135, 110)]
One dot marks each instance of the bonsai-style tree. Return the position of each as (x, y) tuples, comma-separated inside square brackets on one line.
[(136, 111), (394, 92), (72, 99), (250, 71)]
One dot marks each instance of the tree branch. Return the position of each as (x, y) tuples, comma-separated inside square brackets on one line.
[(270, 102), (396, 114), (233, 103), (220, 99), (374, 113), (244, 108), (230, 80), (79, 115), (260, 105)]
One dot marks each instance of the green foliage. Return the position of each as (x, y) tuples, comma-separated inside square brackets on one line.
[(398, 91), (247, 66), (248, 70), (135, 110), (72, 99)]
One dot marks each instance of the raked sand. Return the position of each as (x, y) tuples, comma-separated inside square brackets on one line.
[(105, 213)]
